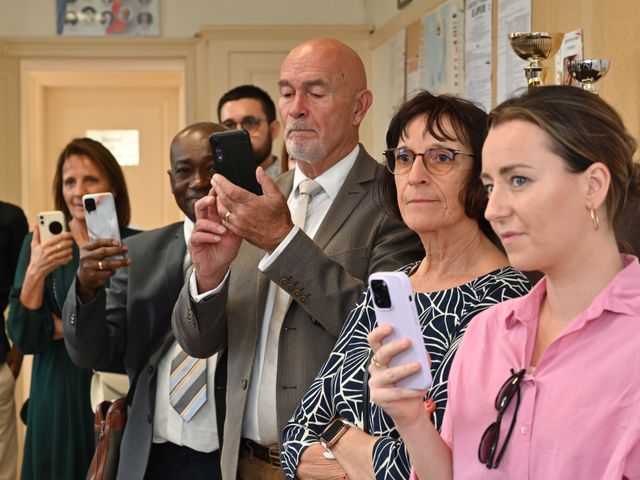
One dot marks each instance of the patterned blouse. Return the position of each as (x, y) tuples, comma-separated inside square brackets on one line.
[(337, 390)]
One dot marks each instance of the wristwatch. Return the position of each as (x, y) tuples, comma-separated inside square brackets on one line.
[(334, 431)]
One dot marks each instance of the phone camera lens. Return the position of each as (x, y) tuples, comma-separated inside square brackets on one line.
[(55, 228), (89, 205), (381, 294), (219, 152)]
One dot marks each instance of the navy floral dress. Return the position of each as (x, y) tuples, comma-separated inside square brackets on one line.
[(337, 390)]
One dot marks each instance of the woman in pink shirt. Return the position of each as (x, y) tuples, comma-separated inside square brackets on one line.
[(546, 386)]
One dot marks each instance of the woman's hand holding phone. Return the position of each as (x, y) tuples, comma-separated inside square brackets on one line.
[(404, 405), (400, 367), (46, 256), (50, 254)]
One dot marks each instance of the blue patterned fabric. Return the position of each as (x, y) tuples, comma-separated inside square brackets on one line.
[(337, 390)]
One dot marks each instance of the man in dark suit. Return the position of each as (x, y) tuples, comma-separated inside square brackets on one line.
[(13, 228), (131, 319), (247, 252)]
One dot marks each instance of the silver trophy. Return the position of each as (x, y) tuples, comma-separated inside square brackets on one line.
[(535, 47), (588, 72)]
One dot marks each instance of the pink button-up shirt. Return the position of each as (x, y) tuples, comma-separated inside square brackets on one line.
[(579, 415)]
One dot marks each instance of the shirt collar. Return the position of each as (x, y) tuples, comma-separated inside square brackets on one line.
[(619, 296), (332, 179), (187, 228)]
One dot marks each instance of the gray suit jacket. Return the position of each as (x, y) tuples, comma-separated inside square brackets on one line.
[(132, 319), (325, 277)]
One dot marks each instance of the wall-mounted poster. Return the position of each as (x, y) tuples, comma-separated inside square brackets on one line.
[(442, 49), (108, 17)]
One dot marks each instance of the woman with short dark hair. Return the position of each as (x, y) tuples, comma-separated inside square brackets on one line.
[(431, 183)]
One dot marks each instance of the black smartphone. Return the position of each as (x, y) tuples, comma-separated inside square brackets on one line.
[(233, 157)]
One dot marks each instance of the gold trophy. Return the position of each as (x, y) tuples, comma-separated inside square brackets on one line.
[(588, 72), (535, 47)]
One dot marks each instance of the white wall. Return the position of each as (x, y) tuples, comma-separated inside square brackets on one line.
[(183, 18), (379, 12)]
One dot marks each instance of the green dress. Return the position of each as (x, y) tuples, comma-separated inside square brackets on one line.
[(59, 442)]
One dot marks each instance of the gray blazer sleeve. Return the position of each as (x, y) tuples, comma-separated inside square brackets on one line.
[(201, 328), (332, 281), (93, 339)]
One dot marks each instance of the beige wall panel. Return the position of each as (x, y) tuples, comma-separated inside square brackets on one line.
[(10, 132)]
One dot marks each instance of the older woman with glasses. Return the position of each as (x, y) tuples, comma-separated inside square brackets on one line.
[(433, 185), (545, 386)]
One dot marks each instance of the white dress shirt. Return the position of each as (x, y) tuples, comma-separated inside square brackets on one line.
[(319, 205), (201, 433)]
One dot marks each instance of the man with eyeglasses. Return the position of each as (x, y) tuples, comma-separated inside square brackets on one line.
[(251, 108)]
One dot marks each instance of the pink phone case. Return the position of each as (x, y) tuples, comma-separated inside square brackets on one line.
[(394, 305)]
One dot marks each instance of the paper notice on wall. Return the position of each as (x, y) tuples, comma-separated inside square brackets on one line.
[(442, 49), (478, 51), (123, 144), (570, 49), (513, 16), (414, 42)]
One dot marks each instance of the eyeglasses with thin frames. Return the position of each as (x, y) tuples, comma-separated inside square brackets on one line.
[(248, 123), (437, 161), (491, 436)]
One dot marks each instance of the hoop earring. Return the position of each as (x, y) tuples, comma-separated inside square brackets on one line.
[(594, 218)]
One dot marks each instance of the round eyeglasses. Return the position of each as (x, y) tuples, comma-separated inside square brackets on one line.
[(438, 161), (491, 436), (249, 123)]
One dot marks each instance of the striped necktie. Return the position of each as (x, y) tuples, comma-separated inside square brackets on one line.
[(187, 377), (267, 420), (187, 384)]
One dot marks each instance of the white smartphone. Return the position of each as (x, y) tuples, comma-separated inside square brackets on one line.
[(51, 224), (394, 305), (101, 217)]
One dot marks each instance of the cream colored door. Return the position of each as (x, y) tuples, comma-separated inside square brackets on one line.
[(62, 100), (72, 102)]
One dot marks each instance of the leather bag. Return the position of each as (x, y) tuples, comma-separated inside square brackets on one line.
[(109, 423)]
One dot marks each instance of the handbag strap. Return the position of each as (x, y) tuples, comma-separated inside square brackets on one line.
[(366, 406)]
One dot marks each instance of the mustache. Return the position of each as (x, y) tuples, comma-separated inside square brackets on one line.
[(295, 127)]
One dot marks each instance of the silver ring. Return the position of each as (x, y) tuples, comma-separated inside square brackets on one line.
[(100, 265), (227, 215), (374, 361)]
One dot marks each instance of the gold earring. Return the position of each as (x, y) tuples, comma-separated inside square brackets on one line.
[(594, 218)]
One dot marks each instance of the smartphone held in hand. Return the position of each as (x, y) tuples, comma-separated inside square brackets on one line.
[(101, 217), (393, 302), (51, 224), (233, 157)]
